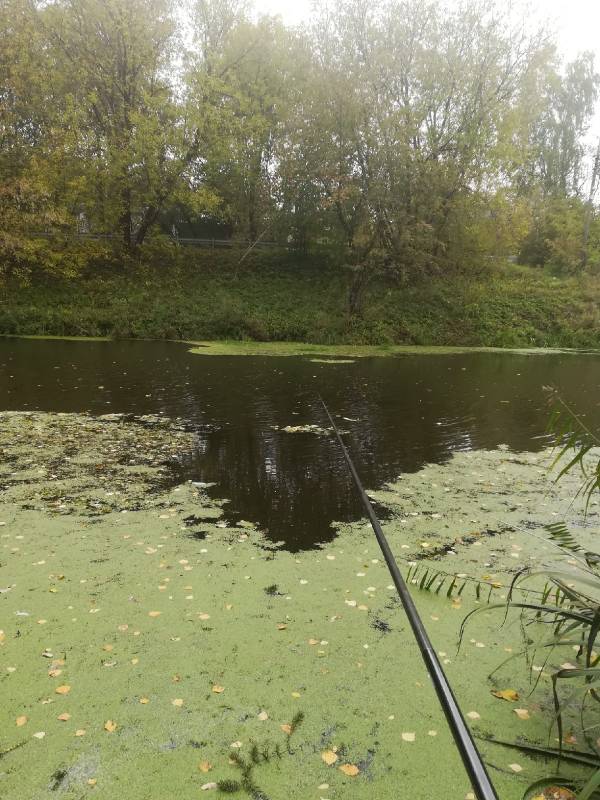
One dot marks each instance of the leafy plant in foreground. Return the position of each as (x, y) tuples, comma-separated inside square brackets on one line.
[(569, 605)]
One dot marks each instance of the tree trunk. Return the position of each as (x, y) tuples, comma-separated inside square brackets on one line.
[(590, 208)]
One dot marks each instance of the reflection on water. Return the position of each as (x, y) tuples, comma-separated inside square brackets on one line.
[(401, 412)]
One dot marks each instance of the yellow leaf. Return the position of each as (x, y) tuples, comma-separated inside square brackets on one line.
[(2, 637), (110, 726), (313, 641), (506, 694), (281, 627), (54, 673), (64, 717), (287, 728), (107, 647), (349, 769), (522, 713), (92, 781), (218, 689), (154, 613), (329, 757), (80, 732), (62, 689), (178, 702), (144, 700), (205, 766), (21, 721)]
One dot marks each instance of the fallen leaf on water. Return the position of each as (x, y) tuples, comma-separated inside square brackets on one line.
[(20, 721), (218, 689), (64, 717), (329, 757), (556, 793), (286, 728), (205, 766), (522, 713), (349, 769), (506, 694), (110, 726), (63, 689)]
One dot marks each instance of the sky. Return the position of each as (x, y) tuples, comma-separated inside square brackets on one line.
[(576, 22)]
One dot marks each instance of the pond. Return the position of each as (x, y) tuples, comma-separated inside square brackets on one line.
[(399, 412)]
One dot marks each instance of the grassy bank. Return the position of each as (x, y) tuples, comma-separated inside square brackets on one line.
[(503, 306)]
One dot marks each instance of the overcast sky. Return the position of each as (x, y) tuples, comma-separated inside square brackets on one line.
[(576, 22)]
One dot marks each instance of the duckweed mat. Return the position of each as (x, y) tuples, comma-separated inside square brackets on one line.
[(148, 649)]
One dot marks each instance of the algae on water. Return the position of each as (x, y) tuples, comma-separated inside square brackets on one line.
[(143, 642)]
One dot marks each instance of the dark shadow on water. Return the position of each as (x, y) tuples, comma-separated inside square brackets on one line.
[(400, 413)]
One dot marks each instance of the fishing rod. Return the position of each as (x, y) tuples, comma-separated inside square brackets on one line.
[(473, 763)]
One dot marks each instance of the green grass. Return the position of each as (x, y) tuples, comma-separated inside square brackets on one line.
[(506, 306)]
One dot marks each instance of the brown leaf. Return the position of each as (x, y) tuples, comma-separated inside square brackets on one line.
[(63, 689), (205, 766), (154, 613), (287, 728), (349, 769), (64, 717), (506, 694), (20, 721)]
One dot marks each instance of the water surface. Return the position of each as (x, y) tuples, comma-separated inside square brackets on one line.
[(400, 412)]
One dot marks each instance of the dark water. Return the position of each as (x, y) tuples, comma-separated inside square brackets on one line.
[(409, 410)]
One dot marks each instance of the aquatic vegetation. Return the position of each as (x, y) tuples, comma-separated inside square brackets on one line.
[(177, 651)]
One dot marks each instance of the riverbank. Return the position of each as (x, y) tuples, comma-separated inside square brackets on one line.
[(503, 306), (148, 644)]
